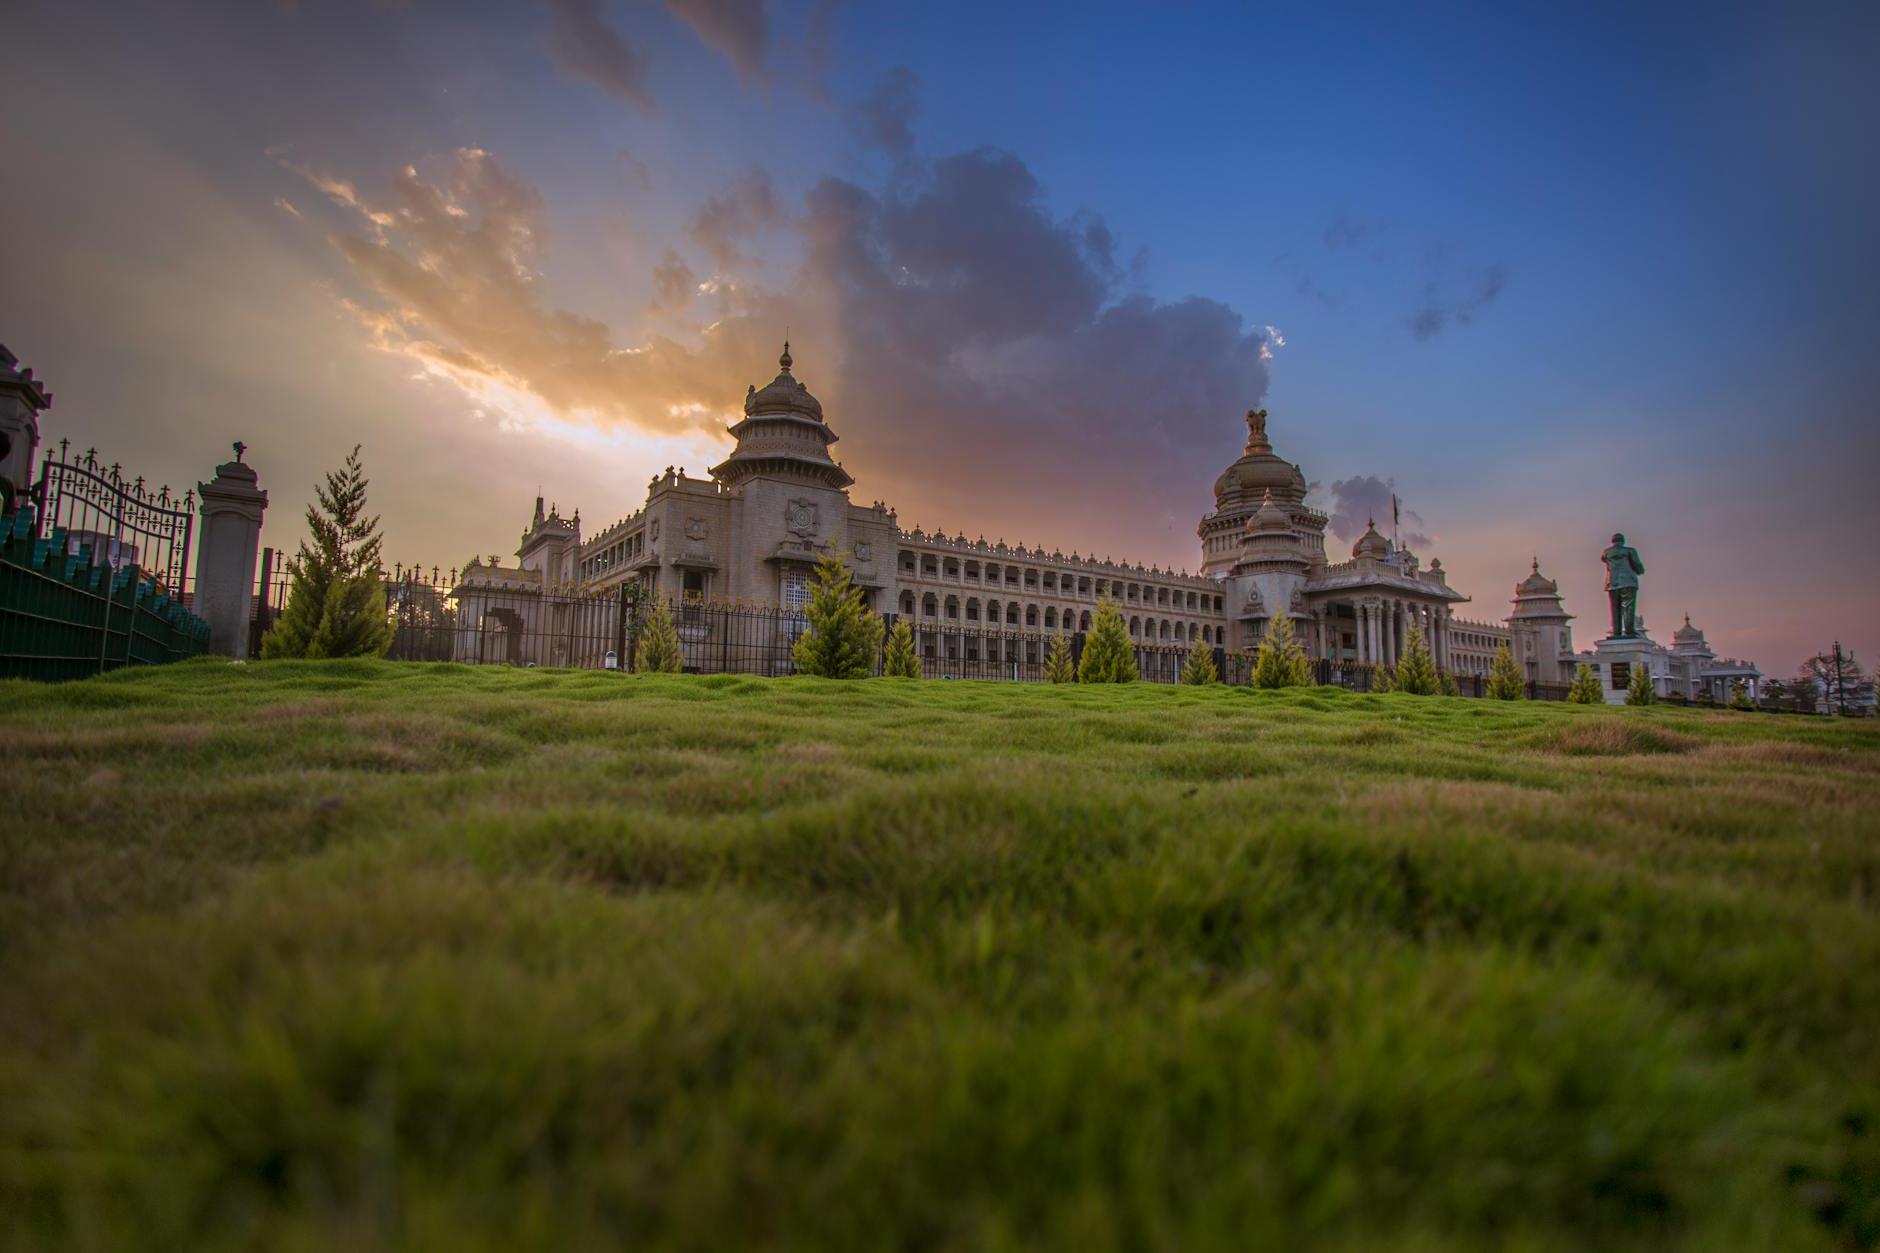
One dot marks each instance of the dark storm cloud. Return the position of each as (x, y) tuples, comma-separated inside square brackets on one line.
[(737, 28), (986, 341), (587, 47), (1357, 502), (885, 117), (1436, 312)]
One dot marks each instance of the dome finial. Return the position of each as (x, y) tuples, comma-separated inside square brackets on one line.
[(1536, 566), (1256, 431), (785, 360)]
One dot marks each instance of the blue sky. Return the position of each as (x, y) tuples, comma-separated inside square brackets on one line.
[(1551, 270)]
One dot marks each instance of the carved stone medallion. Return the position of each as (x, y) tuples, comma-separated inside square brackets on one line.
[(801, 517)]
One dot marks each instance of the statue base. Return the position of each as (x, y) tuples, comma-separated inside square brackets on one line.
[(1629, 652)]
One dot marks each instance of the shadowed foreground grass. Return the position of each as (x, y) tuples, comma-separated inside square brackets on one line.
[(355, 955)]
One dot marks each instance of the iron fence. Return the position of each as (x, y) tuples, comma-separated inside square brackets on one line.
[(68, 612), (121, 523)]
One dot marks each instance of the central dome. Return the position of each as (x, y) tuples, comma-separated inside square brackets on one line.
[(1259, 470)]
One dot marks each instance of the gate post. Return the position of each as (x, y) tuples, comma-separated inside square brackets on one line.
[(22, 397), (226, 547)]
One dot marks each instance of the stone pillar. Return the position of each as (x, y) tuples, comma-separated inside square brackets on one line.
[(226, 547), (22, 399)]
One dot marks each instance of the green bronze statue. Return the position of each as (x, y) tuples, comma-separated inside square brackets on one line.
[(1622, 570)]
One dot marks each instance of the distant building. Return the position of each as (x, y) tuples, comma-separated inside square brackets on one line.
[(754, 529)]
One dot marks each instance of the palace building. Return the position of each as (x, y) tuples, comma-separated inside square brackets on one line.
[(755, 528)]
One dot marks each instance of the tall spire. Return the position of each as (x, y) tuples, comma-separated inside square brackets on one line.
[(785, 360)]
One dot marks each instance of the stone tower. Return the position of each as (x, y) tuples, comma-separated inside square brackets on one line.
[(1540, 634)]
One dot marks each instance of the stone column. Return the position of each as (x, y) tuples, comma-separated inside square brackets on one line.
[(22, 399), (226, 546)]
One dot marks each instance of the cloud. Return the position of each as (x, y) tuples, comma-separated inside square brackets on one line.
[(1356, 502), (737, 28), (637, 174), (886, 117), (1345, 231), (674, 284), (724, 223), (587, 47), (453, 286), (1436, 311), (978, 353)]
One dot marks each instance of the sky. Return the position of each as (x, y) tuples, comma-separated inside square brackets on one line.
[(1542, 272)]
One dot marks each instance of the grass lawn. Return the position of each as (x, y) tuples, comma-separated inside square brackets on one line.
[(361, 956)]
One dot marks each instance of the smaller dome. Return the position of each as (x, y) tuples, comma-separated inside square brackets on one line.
[(1536, 583), (1269, 516), (1371, 544), (1688, 634), (783, 394)]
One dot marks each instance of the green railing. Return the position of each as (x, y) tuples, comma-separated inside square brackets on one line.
[(64, 615)]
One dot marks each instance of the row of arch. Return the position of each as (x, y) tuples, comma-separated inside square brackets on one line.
[(929, 609), (1052, 582)]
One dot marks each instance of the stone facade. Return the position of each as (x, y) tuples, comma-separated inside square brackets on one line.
[(754, 529)]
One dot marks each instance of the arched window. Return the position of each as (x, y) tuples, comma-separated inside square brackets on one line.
[(1031, 615), (953, 607), (1050, 618), (1083, 621), (1011, 613), (930, 606), (972, 608), (929, 565), (907, 603), (1135, 626)]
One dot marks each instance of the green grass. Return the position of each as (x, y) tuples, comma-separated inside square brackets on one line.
[(364, 956)]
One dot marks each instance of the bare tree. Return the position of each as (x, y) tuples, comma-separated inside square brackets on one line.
[(1833, 673)]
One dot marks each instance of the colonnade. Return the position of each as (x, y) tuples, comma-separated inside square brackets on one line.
[(1383, 629)]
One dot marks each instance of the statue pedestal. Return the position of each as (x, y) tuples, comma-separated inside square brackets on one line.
[(1627, 653)]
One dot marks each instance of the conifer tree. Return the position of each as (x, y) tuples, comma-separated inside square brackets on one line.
[(843, 636), (1504, 677), (1416, 671), (901, 661), (1280, 661), (1383, 678), (1640, 691), (1059, 666), (1739, 695), (336, 604), (1585, 689), (1199, 669), (1108, 657), (1449, 685), (659, 651)]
